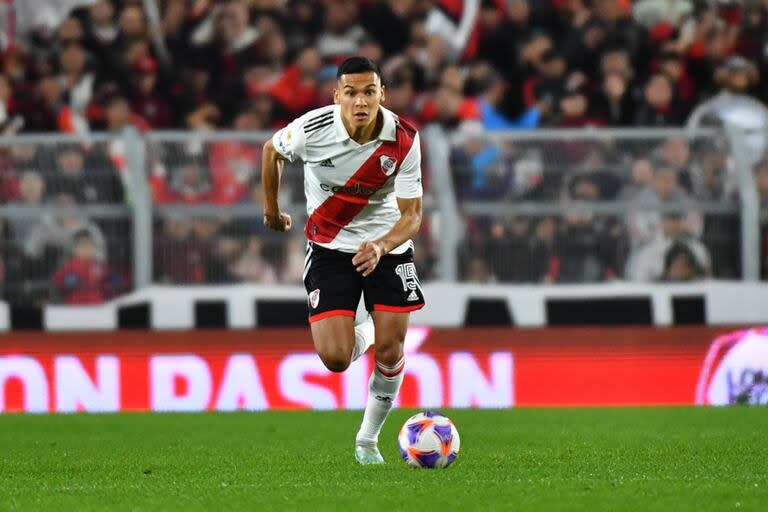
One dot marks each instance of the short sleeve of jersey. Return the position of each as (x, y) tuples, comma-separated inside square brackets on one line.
[(408, 180), (290, 141)]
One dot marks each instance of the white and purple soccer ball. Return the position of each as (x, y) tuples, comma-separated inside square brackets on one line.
[(429, 440)]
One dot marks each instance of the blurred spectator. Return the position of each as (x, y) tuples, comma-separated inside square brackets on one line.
[(511, 254), (296, 89), (85, 176), (477, 165), (149, 101), (640, 176), (677, 153), (587, 247), (574, 110), (547, 85), (188, 183), (389, 23), (231, 47), (232, 164), (178, 253), (342, 32), (77, 83), (57, 231), (477, 271), (664, 192), (733, 107), (85, 279), (222, 260), (659, 106), (102, 28), (292, 270), (673, 255), (613, 102), (32, 194), (11, 121), (672, 65), (680, 264), (713, 181), (490, 90), (12, 274), (251, 266), (502, 47)]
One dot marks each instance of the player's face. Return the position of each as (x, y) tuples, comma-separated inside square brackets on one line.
[(359, 95)]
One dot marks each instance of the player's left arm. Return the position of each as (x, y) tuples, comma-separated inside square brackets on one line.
[(408, 191), (370, 253)]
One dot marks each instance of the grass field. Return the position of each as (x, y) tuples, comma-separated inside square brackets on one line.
[(524, 459)]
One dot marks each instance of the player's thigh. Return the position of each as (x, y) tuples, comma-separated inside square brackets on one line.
[(334, 339), (333, 292)]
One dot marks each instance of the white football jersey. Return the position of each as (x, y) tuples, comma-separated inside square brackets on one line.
[(352, 188)]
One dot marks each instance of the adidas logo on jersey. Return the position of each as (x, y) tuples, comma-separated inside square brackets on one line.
[(413, 296), (327, 163)]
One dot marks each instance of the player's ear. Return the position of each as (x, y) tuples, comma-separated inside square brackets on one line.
[(382, 94), (335, 95)]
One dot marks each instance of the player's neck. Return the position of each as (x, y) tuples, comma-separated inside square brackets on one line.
[(367, 133)]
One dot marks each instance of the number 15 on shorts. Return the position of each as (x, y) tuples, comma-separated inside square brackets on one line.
[(407, 274)]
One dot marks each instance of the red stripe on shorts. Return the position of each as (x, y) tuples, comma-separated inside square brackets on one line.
[(397, 309), (333, 312)]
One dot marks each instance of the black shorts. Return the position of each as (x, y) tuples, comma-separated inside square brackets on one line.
[(334, 285)]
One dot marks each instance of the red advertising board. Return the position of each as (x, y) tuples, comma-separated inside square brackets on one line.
[(277, 369)]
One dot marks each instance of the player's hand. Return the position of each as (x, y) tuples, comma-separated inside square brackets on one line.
[(368, 257), (279, 222)]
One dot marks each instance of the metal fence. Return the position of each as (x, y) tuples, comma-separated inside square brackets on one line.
[(579, 207), (85, 219), (65, 221)]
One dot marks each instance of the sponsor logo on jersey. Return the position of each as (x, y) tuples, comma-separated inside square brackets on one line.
[(354, 190), (327, 163), (388, 164), (314, 298)]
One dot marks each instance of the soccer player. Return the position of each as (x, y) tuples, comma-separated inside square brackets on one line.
[(362, 180)]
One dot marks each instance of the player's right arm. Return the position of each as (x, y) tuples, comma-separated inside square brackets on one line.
[(271, 169), (286, 144)]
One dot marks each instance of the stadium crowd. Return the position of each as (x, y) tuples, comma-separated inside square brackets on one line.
[(472, 66)]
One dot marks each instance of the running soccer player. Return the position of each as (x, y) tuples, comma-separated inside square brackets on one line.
[(362, 179)]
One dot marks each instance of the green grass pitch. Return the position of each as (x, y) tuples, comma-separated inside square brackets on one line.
[(521, 459)]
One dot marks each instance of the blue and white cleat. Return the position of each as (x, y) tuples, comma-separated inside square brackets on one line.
[(367, 454)]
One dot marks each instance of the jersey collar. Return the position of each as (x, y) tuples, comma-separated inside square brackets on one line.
[(388, 129)]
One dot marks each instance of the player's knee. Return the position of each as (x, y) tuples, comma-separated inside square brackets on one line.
[(335, 360), (389, 352)]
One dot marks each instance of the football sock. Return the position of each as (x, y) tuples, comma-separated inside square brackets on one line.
[(382, 390), (364, 336)]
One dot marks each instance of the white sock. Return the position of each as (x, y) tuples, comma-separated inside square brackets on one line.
[(364, 337), (382, 389)]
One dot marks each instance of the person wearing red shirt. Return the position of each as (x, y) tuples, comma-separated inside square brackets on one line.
[(83, 279), (149, 101)]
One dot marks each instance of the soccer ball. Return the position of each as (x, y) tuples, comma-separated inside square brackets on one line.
[(429, 440)]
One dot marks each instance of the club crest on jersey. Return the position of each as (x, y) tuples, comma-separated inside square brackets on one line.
[(388, 164), (314, 298)]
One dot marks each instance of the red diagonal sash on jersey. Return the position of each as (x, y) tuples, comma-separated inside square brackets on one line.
[(339, 209)]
